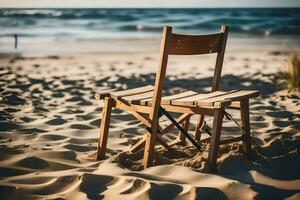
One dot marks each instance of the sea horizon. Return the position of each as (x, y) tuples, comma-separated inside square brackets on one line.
[(37, 28)]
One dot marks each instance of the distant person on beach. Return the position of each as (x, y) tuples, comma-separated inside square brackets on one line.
[(16, 41)]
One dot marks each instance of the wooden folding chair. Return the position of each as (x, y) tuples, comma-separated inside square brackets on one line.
[(147, 104)]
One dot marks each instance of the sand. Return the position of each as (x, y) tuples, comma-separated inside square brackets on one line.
[(49, 125)]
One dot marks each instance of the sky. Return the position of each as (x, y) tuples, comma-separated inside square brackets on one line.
[(145, 3)]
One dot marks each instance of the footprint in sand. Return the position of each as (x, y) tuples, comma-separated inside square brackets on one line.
[(4, 149), (283, 123), (39, 109), (6, 172), (33, 163), (164, 191), (266, 108), (85, 117), (59, 186), (69, 82), (51, 137), (80, 127), (11, 110), (257, 118), (32, 130), (137, 185), (72, 111), (79, 148), (56, 121), (95, 122), (280, 114), (85, 103), (93, 185), (58, 94), (13, 100), (9, 126), (27, 119), (75, 99)]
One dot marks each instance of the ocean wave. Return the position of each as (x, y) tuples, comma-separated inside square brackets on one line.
[(67, 14), (241, 21), (140, 27), (30, 13)]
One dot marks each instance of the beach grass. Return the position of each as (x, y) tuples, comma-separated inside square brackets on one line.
[(291, 73)]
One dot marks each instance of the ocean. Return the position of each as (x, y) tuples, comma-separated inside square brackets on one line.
[(39, 27)]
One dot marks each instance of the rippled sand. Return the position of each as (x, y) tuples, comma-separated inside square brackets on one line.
[(49, 125)]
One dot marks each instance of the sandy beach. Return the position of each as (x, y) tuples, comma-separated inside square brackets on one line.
[(49, 125)]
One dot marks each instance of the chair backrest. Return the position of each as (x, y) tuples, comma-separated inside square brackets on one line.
[(175, 44)]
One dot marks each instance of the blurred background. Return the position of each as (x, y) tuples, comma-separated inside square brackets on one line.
[(139, 29)]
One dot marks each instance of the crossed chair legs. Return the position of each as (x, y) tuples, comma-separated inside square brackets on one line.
[(184, 120)]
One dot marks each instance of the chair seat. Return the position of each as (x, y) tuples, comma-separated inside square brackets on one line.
[(143, 96)]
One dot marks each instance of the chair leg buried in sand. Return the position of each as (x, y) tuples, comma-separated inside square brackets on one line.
[(147, 104)]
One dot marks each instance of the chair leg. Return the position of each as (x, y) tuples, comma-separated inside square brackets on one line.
[(246, 127), (150, 143), (198, 131), (104, 127), (215, 139), (149, 150)]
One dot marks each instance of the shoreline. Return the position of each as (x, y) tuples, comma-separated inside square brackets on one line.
[(144, 45)]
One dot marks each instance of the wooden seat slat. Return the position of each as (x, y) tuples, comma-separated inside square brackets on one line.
[(235, 96), (191, 101), (143, 96), (166, 100), (133, 91), (137, 98)]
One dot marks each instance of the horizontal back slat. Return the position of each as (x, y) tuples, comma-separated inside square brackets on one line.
[(195, 44)]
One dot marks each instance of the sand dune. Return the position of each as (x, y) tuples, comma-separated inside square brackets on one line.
[(49, 125)]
